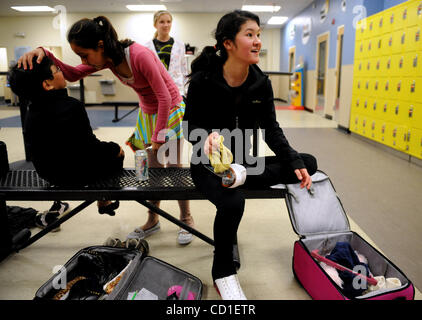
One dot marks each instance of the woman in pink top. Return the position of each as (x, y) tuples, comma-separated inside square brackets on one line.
[(95, 41)]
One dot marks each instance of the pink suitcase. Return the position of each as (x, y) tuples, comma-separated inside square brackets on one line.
[(318, 217)]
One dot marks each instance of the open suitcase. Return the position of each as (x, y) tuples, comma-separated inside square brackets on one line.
[(318, 217), (108, 273)]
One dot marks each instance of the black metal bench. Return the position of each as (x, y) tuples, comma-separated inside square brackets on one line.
[(163, 184)]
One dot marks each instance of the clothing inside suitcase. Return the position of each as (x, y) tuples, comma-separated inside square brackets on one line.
[(319, 218), (144, 278)]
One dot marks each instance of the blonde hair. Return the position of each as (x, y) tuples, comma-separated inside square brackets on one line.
[(157, 16)]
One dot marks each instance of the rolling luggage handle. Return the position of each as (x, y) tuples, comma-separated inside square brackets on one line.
[(372, 281)]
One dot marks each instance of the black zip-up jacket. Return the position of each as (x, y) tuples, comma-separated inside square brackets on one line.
[(62, 145), (212, 105)]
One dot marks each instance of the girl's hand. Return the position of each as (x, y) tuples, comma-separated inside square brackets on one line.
[(26, 59), (211, 143), (304, 177), (121, 153)]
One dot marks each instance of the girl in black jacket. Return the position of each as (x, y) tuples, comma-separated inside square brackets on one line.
[(229, 95)]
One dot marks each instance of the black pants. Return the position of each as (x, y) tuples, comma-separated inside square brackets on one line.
[(230, 204)]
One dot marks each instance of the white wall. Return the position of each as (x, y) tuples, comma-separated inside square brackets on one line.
[(193, 28)]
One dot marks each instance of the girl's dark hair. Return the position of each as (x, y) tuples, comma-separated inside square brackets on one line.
[(86, 33), (227, 29), (28, 83)]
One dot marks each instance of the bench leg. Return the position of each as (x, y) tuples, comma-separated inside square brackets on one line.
[(116, 113), (5, 236), (54, 225), (181, 224), (236, 255)]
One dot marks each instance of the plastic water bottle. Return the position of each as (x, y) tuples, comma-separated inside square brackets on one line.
[(141, 165)]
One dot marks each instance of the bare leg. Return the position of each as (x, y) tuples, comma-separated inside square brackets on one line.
[(152, 163)]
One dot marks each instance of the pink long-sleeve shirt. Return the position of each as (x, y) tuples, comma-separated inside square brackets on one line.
[(156, 89)]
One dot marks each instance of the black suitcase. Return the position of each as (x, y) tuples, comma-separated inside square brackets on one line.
[(108, 273)]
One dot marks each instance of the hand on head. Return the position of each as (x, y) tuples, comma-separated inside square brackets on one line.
[(26, 59)]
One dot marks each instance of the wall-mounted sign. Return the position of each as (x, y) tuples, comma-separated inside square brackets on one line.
[(324, 11), (292, 32), (306, 30)]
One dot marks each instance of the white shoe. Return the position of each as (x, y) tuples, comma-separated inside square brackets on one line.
[(229, 288), (184, 237)]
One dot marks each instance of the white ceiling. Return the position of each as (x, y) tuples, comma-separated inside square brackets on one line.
[(289, 8)]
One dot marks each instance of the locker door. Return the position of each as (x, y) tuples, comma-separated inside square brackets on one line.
[(386, 110), (415, 142), (355, 107), (375, 133), (413, 43), (411, 63), (367, 89), (400, 112), (396, 63), (360, 29), (396, 46), (400, 16), (397, 87), (385, 136), (386, 88), (399, 136), (415, 12), (354, 122), (415, 115), (416, 89)]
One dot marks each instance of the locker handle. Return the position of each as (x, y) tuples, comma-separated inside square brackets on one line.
[(411, 112)]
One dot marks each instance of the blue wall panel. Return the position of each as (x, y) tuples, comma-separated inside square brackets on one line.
[(292, 32)]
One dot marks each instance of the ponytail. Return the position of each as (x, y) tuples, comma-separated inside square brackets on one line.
[(227, 29), (86, 33), (209, 59)]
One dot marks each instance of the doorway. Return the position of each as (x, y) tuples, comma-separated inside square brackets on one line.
[(321, 73), (339, 62)]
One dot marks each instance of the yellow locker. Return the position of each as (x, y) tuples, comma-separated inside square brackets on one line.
[(360, 29), (366, 103), (400, 16), (396, 88), (375, 133), (415, 12), (378, 108), (388, 43), (412, 64), (385, 88), (389, 19), (399, 40), (415, 142), (358, 50), (379, 46), (373, 107), (378, 67), (368, 67), (354, 122), (400, 112), (365, 128), (357, 85), (385, 111), (415, 115), (396, 65), (355, 108), (357, 69), (415, 89), (379, 24), (414, 39), (367, 87), (385, 135), (399, 136)]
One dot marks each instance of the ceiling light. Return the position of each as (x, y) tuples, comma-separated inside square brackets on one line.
[(146, 7), (32, 8), (254, 8), (277, 20)]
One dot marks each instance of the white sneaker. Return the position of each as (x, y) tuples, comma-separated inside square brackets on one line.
[(184, 237), (229, 288)]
